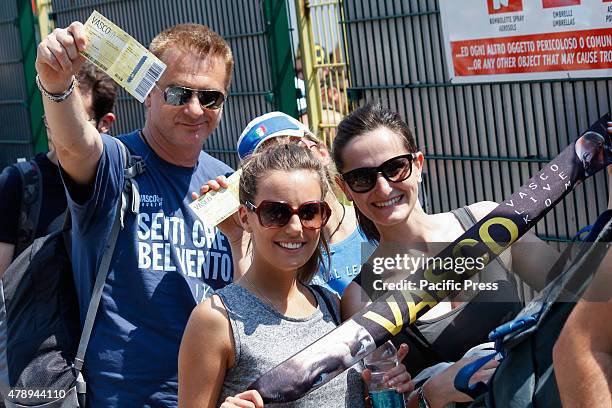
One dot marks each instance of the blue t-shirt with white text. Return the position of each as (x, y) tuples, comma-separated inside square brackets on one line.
[(165, 262), (345, 259)]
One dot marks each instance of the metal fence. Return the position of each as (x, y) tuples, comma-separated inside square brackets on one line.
[(240, 22), (481, 141), (15, 136), (323, 42)]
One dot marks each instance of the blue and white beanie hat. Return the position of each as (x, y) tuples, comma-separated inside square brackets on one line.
[(267, 126)]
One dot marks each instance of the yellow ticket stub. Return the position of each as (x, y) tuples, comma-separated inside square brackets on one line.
[(121, 57), (216, 206)]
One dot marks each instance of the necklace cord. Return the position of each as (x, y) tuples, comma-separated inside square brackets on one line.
[(339, 223), (260, 294)]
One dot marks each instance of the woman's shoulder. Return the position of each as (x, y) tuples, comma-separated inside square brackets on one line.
[(207, 344), (209, 316), (480, 209)]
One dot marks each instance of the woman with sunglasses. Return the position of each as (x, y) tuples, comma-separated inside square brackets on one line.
[(341, 232), (249, 327), (380, 170)]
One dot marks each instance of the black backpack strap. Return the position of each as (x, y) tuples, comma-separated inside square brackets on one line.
[(129, 195), (328, 303), (31, 202)]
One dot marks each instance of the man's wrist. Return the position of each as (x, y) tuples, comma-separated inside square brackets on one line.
[(57, 97)]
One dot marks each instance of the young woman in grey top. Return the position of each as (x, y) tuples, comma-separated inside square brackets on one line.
[(249, 327)]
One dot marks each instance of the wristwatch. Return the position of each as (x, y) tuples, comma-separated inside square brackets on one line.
[(422, 400), (57, 97)]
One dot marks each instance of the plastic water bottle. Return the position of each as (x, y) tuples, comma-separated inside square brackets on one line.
[(379, 362)]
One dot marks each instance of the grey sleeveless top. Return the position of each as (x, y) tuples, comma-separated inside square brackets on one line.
[(263, 338)]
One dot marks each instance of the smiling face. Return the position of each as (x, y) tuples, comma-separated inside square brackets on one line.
[(291, 246), (186, 126), (388, 203)]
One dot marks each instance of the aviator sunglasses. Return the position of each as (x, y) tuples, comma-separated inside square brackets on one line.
[(395, 169), (276, 214), (176, 95)]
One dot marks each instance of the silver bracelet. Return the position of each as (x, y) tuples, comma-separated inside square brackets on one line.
[(57, 97), (423, 403)]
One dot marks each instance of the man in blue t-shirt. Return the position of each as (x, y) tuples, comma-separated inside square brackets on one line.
[(166, 260)]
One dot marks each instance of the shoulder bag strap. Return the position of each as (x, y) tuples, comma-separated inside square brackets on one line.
[(31, 203), (131, 169), (328, 303)]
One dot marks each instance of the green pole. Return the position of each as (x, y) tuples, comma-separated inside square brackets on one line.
[(27, 34), (281, 57)]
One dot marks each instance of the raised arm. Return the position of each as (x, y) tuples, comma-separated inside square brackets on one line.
[(76, 140)]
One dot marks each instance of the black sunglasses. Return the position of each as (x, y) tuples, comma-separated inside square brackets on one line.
[(176, 95), (395, 169), (276, 214)]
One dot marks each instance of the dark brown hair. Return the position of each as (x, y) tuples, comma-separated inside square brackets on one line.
[(102, 88), (363, 120), (286, 157)]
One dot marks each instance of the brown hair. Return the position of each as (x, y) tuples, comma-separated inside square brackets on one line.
[(196, 38), (330, 170), (286, 157), (102, 88), (363, 120)]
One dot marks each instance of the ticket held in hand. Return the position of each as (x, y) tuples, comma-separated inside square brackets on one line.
[(121, 57), (216, 206)]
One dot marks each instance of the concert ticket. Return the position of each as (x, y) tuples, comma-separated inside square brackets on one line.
[(215, 206), (121, 57)]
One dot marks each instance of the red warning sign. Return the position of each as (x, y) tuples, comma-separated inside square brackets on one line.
[(505, 6), (559, 3), (517, 40), (575, 50)]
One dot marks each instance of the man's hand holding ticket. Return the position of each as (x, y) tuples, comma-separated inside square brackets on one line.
[(216, 206), (107, 46)]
